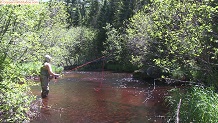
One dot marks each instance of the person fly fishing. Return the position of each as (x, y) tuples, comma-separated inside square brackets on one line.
[(45, 73)]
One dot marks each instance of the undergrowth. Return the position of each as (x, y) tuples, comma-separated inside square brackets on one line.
[(198, 105)]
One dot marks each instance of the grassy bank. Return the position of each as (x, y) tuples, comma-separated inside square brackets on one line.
[(195, 104)]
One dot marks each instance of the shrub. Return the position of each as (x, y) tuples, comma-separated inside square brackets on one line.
[(57, 69), (15, 98), (15, 102), (198, 105)]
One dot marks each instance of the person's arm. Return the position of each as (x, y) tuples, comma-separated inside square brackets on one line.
[(48, 66)]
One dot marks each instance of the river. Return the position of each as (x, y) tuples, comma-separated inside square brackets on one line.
[(101, 97)]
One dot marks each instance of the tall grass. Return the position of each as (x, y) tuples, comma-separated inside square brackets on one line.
[(198, 105)]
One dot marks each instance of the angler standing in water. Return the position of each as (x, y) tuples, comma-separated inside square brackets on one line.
[(45, 73)]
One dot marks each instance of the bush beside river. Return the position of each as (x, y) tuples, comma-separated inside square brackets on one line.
[(178, 37)]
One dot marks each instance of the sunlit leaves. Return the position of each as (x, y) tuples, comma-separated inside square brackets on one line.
[(198, 105), (113, 44), (28, 30), (172, 32), (27, 33), (79, 45), (14, 102)]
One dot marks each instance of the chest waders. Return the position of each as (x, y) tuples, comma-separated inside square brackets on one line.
[(44, 78)]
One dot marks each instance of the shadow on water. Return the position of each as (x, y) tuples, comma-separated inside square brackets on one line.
[(119, 99)]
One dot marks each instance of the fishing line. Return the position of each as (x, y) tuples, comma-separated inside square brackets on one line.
[(102, 71), (87, 63), (102, 77)]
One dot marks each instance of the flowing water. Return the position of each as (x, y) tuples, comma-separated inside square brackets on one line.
[(93, 97)]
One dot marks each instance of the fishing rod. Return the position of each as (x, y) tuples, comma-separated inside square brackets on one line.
[(102, 73), (88, 63)]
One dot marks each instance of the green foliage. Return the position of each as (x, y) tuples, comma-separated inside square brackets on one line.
[(197, 105), (120, 67), (57, 69), (175, 35), (171, 34), (30, 32), (178, 74), (109, 18), (14, 94), (15, 102), (113, 43), (79, 45), (96, 13), (30, 68), (27, 33), (115, 47), (124, 11), (12, 72), (33, 69), (92, 15)]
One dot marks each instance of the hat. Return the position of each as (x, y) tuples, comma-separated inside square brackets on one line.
[(47, 58)]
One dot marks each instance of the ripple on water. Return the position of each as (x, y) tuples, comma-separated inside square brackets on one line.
[(119, 99)]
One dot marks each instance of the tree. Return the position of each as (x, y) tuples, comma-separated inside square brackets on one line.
[(176, 35), (93, 11), (25, 34)]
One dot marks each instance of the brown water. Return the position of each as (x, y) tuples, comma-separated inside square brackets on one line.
[(120, 99)]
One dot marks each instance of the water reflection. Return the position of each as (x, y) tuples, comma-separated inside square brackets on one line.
[(73, 99)]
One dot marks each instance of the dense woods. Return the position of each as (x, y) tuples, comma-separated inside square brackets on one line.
[(177, 37)]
